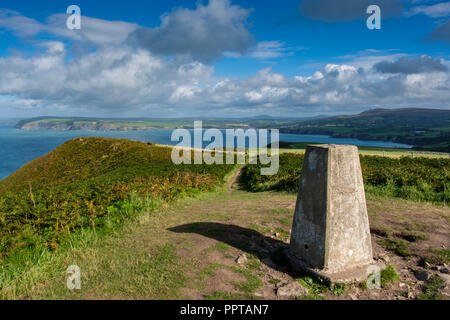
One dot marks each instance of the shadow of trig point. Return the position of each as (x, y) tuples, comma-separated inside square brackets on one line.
[(330, 234)]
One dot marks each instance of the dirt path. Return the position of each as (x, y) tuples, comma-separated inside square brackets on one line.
[(232, 183), (190, 250)]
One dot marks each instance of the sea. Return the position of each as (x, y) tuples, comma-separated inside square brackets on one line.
[(18, 147)]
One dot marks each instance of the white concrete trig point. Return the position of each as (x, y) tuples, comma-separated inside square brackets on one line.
[(330, 233)]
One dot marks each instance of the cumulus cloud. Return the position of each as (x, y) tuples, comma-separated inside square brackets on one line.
[(346, 10), (406, 65), (267, 50), (437, 10), (126, 80), (20, 25), (109, 78), (203, 34), (119, 78), (94, 31)]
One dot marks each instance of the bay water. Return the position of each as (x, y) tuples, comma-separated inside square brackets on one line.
[(18, 147)]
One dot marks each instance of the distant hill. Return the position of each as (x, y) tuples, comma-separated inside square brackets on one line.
[(267, 117), (96, 124), (104, 124), (110, 124), (426, 129)]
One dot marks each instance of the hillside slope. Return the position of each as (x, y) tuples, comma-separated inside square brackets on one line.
[(189, 251), (86, 182)]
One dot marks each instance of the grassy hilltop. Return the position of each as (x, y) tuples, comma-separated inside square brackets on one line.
[(124, 213), (88, 182)]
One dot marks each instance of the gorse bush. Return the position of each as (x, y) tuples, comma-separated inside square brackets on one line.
[(421, 179), (88, 182)]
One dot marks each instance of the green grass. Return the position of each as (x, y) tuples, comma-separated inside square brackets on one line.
[(439, 256), (253, 262), (218, 295), (413, 236), (398, 246), (83, 190), (247, 287), (363, 285), (284, 235), (163, 273), (338, 289), (389, 275), (209, 270), (285, 221), (431, 289), (222, 247), (274, 281), (315, 285), (418, 179), (380, 229), (252, 281), (158, 273)]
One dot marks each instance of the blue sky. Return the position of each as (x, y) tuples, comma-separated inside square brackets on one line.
[(222, 58)]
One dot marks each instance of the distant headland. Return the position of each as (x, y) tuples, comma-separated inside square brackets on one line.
[(426, 129)]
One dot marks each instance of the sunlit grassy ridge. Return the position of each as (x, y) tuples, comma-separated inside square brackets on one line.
[(88, 182), (420, 179), (300, 148)]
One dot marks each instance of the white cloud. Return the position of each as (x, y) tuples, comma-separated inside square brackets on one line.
[(93, 31), (203, 34), (406, 65), (267, 50), (438, 10), (121, 80), (19, 24), (53, 46)]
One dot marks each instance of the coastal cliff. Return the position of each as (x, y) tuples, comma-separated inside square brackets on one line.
[(86, 126)]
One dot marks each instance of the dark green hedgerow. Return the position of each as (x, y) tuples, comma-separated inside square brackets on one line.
[(420, 179)]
